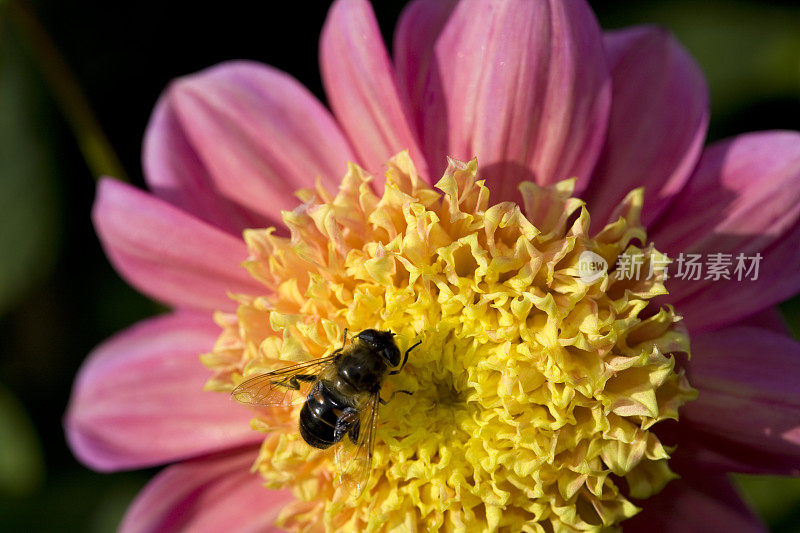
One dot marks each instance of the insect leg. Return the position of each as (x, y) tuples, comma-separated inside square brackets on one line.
[(344, 341), (405, 360), (294, 383), (384, 402), (348, 423), (354, 431)]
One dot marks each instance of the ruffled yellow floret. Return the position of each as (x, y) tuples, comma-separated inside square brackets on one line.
[(534, 391)]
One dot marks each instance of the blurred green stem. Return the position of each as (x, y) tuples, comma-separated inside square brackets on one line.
[(93, 143)]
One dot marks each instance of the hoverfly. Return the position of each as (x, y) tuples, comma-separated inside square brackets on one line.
[(341, 393)]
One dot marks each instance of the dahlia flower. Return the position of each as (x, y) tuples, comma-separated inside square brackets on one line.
[(451, 195)]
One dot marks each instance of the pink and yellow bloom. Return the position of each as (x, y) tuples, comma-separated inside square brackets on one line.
[(540, 401)]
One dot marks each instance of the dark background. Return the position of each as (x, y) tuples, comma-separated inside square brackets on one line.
[(59, 297)]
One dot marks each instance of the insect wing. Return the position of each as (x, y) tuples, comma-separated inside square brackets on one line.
[(283, 387), (354, 459)]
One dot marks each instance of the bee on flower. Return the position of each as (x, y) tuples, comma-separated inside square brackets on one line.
[(451, 196)]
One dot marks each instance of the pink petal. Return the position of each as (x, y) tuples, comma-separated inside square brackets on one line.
[(242, 136), (362, 87), (744, 197), (745, 188), (748, 407), (721, 457), (139, 400), (659, 116), (419, 26), (167, 253), (207, 495), (725, 302), (175, 173), (771, 319), (697, 503), (521, 85)]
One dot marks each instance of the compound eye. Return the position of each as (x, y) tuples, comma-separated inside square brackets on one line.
[(370, 336), (392, 355)]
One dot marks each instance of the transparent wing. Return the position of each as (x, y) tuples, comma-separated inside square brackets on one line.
[(282, 387), (354, 452)]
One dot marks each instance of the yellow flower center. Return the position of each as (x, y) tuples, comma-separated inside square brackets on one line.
[(539, 376)]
